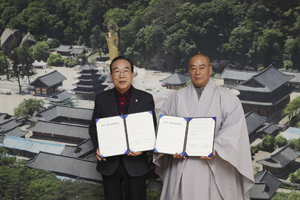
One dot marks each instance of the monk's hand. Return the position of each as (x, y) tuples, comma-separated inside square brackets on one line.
[(178, 156), (209, 158), (98, 155), (133, 153)]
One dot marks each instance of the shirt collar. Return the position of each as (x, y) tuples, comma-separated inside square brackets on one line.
[(126, 94)]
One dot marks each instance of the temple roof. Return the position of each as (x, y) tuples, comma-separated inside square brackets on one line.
[(60, 96), (234, 74), (56, 128), (280, 158), (269, 128), (8, 125), (48, 80), (80, 150), (16, 132), (89, 90), (63, 111), (296, 75), (63, 48), (33, 146), (65, 165), (254, 121), (176, 79), (265, 186), (266, 81)]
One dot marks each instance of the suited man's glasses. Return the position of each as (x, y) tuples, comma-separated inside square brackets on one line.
[(126, 72)]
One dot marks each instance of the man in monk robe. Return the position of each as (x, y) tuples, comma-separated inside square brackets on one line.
[(228, 173)]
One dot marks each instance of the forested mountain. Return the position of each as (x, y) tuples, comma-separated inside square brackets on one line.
[(162, 34)]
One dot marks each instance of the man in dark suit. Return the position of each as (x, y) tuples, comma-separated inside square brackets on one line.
[(123, 99)]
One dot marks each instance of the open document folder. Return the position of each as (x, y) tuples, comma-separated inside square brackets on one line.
[(125, 133), (187, 136)]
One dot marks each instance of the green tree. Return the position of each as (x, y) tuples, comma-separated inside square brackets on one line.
[(26, 59), (268, 143), (97, 39), (83, 58), (295, 178), (29, 107), (56, 60), (280, 141), (17, 69), (4, 159), (41, 51), (295, 144), (42, 187), (280, 196), (292, 107)]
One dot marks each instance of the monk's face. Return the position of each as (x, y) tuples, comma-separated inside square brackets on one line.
[(199, 70), (122, 75)]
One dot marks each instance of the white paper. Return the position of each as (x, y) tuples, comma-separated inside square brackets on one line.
[(140, 130), (200, 136), (111, 136), (170, 135)]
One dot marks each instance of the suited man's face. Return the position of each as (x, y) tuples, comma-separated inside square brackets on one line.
[(122, 75)]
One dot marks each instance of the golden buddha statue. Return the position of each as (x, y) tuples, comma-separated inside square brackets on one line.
[(112, 41)]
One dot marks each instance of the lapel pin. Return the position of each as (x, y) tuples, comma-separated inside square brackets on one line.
[(136, 100)]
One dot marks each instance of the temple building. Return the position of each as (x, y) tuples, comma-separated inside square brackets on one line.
[(47, 84), (61, 98), (66, 166), (266, 93), (175, 80), (279, 160), (89, 83), (59, 132), (233, 77), (265, 186), (64, 114)]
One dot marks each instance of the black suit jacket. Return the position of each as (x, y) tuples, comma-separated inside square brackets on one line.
[(105, 106)]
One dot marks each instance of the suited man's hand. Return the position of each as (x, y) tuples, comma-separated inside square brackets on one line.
[(98, 155), (133, 153), (178, 156)]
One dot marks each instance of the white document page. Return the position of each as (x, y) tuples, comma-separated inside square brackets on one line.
[(111, 136), (170, 135), (140, 131), (200, 136)]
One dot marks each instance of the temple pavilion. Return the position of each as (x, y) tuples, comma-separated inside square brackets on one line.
[(90, 82), (266, 93)]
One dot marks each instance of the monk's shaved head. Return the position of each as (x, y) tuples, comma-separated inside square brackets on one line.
[(202, 55)]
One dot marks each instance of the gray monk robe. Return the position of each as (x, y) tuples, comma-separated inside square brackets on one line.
[(229, 174)]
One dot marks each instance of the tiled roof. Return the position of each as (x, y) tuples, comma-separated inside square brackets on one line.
[(16, 132), (234, 74), (63, 111), (296, 75), (176, 79), (280, 157), (265, 186), (254, 121), (78, 151), (9, 125), (33, 146), (266, 81), (5, 118), (48, 80), (6, 34), (63, 48), (65, 165), (77, 50), (61, 129), (60, 96), (269, 128)]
